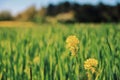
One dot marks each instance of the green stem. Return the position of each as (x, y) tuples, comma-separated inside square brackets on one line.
[(30, 73)]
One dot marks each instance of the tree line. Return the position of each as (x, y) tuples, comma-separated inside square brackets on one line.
[(87, 13), (68, 12)]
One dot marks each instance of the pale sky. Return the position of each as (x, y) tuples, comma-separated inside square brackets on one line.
[(16, 6)]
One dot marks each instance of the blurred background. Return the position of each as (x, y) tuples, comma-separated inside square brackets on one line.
[(63, 11), (33, 36)]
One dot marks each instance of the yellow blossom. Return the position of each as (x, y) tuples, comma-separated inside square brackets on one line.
[(72, 44), (36, 60), (27, 70), (91, 64), (72, 41)]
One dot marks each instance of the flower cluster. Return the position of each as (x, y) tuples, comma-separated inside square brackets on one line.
[(36, 60), (72, 44), (91, 64)]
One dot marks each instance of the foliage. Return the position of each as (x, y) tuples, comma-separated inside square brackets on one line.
[(67, 12), (87, 12), (40, 53), (27, 15), (5, 15)]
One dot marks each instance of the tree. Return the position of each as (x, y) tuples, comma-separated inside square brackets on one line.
[(5, 15), (28, 14)]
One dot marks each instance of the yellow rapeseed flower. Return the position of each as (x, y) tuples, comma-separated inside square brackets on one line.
[(27, 70), (36, 60), (72, 41), (72, 44), (91, 64)]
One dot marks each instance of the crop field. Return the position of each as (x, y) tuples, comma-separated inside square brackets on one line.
[(60, 52)]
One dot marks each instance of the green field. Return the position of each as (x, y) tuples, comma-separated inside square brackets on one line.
[(40, 53)]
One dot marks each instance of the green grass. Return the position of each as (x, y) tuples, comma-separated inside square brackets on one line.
[(20, 46)]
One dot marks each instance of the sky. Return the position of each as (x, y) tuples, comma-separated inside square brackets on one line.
[(16, 6)]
